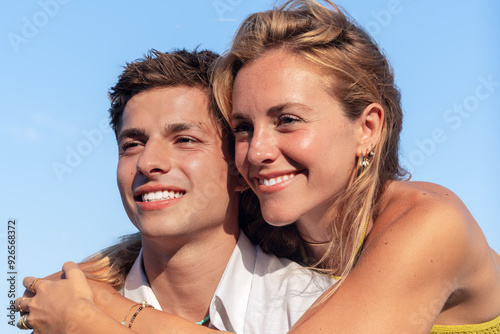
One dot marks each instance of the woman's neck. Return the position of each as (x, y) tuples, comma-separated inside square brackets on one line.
[(316, 236)]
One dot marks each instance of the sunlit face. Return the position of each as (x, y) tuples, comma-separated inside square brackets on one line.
[(172, 172), (294, 146)]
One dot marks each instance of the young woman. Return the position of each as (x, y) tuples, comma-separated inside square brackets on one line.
[(317, 119)]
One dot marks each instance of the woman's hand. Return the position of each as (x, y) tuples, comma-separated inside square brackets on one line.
[(57, 306)]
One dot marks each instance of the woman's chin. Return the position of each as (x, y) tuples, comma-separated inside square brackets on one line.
[(278, 220)]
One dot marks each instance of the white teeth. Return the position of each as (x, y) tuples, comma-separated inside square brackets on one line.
[(275, 180), (161, 195)]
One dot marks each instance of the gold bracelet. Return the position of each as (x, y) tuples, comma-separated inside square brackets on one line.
[(128, 312), (143, 305)]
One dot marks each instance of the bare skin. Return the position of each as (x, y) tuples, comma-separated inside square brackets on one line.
[(425, 262)]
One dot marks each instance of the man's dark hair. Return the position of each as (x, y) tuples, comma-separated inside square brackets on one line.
[(158, 69)]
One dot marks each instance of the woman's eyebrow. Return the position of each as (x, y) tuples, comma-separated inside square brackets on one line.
[(272, 111)]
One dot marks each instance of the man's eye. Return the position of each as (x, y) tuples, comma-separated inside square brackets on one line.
[(186, 139), (127, 146), (242, 127)]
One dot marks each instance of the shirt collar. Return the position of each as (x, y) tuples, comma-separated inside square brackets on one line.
[(137, 286), (228, 307)]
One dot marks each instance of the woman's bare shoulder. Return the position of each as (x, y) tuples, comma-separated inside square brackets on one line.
[(404, 200), (430, 218), (418, 192), (431, 227), (434, 228), (426, 235), (415, 253)]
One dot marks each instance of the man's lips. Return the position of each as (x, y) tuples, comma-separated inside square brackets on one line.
[(158, 199), (161, 195), (157, 193)]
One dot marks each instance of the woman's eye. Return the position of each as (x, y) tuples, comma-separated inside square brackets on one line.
[(287, 119), (242, 127)]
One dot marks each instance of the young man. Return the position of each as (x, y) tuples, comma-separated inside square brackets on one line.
[(178, 188)]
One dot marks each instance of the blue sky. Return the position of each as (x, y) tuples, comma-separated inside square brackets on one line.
[(59, 57)]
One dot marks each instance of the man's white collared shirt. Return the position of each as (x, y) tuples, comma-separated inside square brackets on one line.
[(258, 292)]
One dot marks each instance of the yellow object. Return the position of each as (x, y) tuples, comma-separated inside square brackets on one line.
[(490, 327)]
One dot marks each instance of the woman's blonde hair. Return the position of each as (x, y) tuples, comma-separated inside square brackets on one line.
[(355, 73), (112, 265)]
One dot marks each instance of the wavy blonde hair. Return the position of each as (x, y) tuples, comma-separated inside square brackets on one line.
[(356, 73), (112, 264)]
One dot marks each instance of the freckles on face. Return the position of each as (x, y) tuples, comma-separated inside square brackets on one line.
[(294, 145)]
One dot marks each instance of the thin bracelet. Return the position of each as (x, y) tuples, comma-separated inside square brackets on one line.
[(143, 305), (128, 312)]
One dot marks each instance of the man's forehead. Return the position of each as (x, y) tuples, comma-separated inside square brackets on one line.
[(166, 94), (178, 108)]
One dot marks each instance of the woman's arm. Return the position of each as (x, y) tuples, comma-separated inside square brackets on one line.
[(72, 305)]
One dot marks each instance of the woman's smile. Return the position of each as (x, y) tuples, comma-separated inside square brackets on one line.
[(292, 138)]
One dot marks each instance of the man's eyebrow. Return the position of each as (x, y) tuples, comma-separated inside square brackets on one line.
[(169, 128), (131, 133), (182, 126)]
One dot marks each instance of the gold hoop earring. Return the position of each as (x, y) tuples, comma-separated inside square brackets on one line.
[(365, 160)]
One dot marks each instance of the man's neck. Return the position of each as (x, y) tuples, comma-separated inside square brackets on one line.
[(184, 278)]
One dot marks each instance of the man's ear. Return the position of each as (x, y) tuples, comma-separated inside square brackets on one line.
[(371, 122)]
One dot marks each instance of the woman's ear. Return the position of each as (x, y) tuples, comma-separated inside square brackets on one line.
[(242, 185), (371, 122)]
